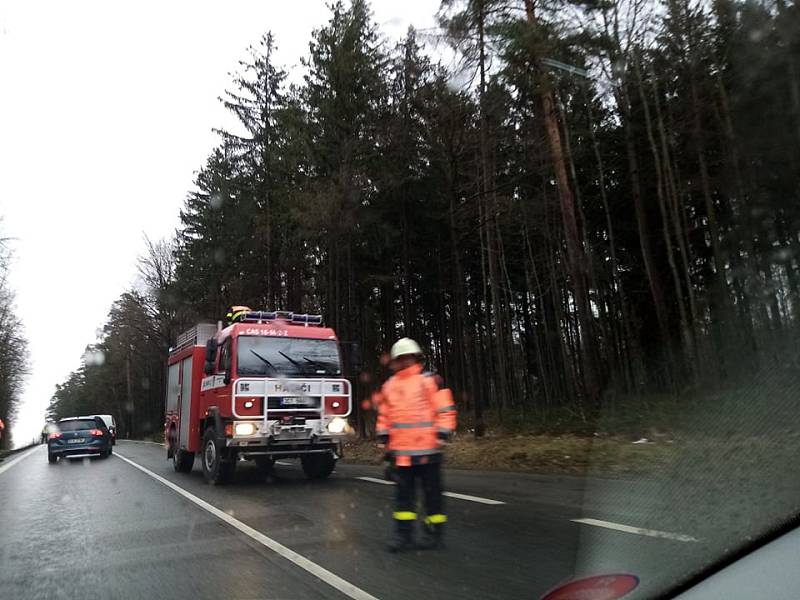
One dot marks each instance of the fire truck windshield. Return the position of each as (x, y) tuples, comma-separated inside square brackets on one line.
[(269, 356)]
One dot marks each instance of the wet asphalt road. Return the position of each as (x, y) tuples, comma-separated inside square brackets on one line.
[(103, 528)]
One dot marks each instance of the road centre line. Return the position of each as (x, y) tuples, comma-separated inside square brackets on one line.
[(333, 580), (5, 466), (678, 537), (448, 494)]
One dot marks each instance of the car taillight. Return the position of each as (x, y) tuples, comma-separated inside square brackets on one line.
[(96, 432), (53, 436), (337, 405)]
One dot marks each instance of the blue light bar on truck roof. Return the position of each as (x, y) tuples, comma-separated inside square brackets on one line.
[(259, 316), (307, 319)]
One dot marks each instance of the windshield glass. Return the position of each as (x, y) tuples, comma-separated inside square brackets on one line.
[(579, 220), (288, 357)]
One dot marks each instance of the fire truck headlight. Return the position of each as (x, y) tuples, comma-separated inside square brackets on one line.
[(337, 425), (245, 428)]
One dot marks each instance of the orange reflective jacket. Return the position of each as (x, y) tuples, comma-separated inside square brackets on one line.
[(414, 416)]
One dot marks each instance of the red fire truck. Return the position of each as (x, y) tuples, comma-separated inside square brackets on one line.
[(268, 386)]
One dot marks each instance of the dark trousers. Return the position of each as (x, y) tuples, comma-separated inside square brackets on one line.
[(405, 499)]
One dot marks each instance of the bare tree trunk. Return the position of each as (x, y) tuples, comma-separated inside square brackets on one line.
[(543, 317), (575, 253), (653, 278), (660, 192), (746, 317), (490, 210), (486, 396), (676, 208), (618, 286), (404, 257)]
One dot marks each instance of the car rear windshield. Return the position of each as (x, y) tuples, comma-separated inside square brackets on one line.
[(77, 425)]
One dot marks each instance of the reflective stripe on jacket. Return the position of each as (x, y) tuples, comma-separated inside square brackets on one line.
[(414, 415)]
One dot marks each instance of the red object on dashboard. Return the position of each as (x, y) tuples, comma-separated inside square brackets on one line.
[(597, 587)]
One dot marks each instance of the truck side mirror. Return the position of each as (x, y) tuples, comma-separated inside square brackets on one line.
[(211, 355)]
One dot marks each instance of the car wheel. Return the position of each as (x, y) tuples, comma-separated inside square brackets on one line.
[(182, 461), (110, 450), (52, 458), (217, 469), (318, 466)]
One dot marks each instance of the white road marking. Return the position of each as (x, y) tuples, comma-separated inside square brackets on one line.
[(333, 580), (5, 466), (374, 480), (472, 498), (283, 463), (679, 537), (448, 494)]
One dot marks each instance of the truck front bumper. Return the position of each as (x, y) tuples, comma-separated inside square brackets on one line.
[(287, 441)]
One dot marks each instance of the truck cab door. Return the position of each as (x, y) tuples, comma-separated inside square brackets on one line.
[(224, 368)]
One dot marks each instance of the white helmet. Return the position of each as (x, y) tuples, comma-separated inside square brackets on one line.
[(405, 346)]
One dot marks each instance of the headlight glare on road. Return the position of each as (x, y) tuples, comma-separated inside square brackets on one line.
[(245, 428), (337, 425)]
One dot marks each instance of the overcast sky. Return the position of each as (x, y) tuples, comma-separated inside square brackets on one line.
[(106, 111)]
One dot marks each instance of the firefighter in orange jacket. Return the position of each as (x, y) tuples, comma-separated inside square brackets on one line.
[(415, 420)]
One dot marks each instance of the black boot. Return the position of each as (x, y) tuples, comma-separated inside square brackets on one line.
[(402, 542), (403, 538), (432, 538)]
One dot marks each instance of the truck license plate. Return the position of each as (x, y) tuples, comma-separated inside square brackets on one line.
[(294, 401)]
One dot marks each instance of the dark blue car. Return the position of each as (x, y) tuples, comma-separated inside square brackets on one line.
[(79, 436)]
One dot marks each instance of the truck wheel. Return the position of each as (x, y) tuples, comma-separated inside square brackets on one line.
[(318, 466), (182, 461), (216, 469)]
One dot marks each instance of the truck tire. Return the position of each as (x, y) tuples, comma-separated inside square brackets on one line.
[(318, 466), (217, 470), (182, 461)]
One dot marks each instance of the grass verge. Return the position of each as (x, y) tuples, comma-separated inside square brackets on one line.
[(563, 454)]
